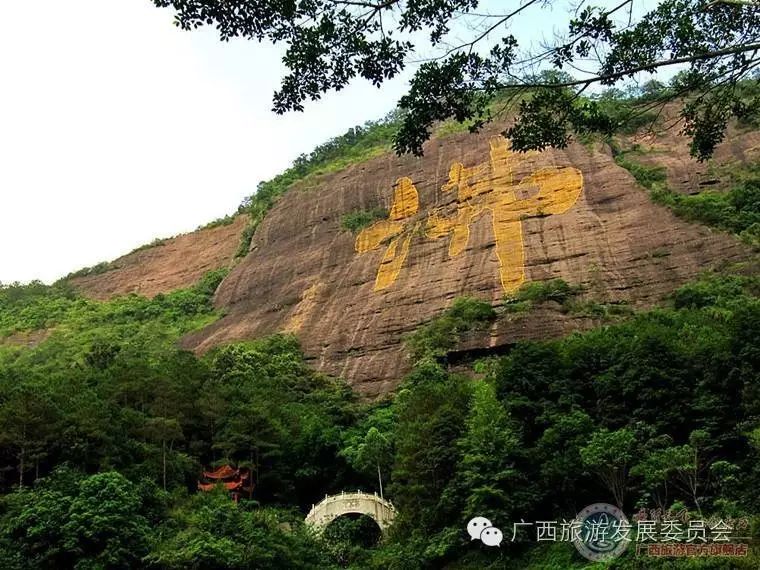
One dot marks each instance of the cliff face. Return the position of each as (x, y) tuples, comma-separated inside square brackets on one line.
[(177, 263), (470, 218)]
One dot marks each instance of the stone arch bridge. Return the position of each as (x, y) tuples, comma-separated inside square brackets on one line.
[(330, 508)]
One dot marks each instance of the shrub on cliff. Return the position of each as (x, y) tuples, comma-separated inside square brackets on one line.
[(359, 219), (441, 334)]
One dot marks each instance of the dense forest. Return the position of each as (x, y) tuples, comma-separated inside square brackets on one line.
[(105, 426)]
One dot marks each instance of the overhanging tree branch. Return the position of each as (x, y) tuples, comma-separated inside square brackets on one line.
[(332, 42), (648, 67)]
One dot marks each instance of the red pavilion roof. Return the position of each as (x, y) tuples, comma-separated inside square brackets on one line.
[(223, 472)]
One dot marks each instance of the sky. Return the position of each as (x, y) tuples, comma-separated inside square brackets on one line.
[(117, 128)]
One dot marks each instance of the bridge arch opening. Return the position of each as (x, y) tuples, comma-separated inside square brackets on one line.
[(354, 529)]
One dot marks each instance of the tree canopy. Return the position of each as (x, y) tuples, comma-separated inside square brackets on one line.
[(106, 426), (329, 43)]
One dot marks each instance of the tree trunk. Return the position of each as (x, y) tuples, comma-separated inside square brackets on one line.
[(213, 439), (380, 479), (21, 466), (163, 461), (256, 464)]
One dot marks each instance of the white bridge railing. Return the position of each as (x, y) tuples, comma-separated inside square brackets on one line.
[(358, 495)]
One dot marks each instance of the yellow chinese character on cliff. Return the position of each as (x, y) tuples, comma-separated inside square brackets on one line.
[(488, 187), (397, 228), (491, 187)]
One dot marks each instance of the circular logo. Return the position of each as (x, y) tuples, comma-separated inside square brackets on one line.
[(601, 532)]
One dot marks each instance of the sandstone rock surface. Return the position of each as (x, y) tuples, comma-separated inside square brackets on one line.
[(178, 262), (351, 301)]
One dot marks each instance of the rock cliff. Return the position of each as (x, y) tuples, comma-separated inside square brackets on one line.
[(469, 218), (174, 263)]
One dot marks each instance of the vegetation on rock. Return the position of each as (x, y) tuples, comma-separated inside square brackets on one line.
[(735, 210), (360, 219), (441, 334)]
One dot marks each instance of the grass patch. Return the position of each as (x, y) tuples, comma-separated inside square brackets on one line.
[(343, 162), (359, 219), (219, 222), (96, 269), (650, 177), (453, 127), (158, 242), (437, 337)]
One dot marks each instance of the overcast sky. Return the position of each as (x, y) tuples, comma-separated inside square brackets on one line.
[(117, 128)]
